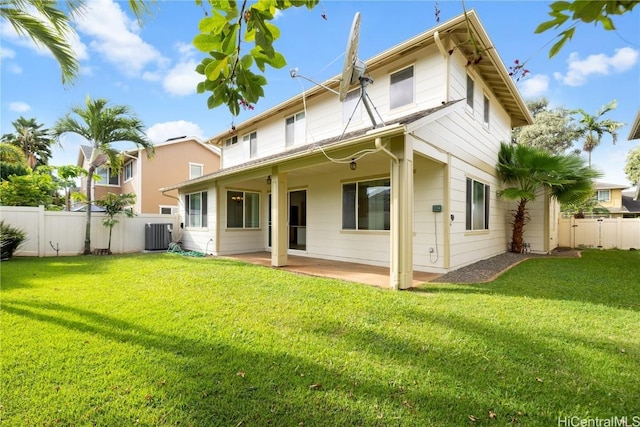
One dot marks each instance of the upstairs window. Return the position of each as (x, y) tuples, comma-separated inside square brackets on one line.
[(196, 209), (478, 195), (486, 112), (231, 141), (604, 195), (128, 171), (470, 90), (401, 88), (108, 176), (295, 130), (252, 140), (195, 170)]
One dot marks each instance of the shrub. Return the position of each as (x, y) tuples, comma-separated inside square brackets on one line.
[(10, 239)]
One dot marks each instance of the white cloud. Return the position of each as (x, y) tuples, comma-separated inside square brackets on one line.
[(579, 70), (160, 132), (19, 107), (535, 85), (114, 35), (6, 53), (182, 79)]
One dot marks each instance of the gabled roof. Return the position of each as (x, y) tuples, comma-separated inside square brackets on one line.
[(491, 68), (178, 140), (84, 153), (396, 126), (608, 186)]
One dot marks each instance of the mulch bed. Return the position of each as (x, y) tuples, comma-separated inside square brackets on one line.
[(489, 269)]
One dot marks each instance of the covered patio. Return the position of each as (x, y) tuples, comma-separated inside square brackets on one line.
[(352, 272)]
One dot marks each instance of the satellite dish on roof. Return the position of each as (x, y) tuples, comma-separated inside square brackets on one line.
[(353, 70), (350, 75)]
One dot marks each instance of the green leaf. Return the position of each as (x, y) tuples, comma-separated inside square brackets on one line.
[(275, 31), (215, 69), (212, 24), (546, 26), (278, 60), (260, 58), (230, 42), (200, 88), (202, 65), (211, 102), (206, 42), (559, 6), (607, 23), (246, 61)]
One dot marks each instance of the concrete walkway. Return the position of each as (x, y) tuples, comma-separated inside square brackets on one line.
[(352, 272)]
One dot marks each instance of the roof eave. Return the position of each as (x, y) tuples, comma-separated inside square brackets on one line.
[(520, 117)]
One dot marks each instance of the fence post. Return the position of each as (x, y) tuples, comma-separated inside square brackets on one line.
[(619, 232), (42, 233), (572, 231)]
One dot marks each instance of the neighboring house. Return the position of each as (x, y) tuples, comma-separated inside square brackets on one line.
[(609, 196), (175, 160), (313, 177), (631, 203)]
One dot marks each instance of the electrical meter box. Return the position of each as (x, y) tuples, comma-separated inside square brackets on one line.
[(436, 208)]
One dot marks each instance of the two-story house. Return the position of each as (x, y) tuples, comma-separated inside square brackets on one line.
[(616, 201), (175, 160), (315, 177)]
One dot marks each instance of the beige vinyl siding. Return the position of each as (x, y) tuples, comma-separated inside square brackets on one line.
[(324, 113), (201, 239), (429, 190), (239, 240)]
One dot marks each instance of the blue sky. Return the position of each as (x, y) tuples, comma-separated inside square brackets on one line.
[(150, 68)]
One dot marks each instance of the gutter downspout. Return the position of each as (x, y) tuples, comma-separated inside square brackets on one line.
[(379, 147), (400, 258)]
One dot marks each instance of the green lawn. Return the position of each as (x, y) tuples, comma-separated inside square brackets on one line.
[(168, 340)]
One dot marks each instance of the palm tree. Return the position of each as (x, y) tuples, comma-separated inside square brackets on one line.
[(49, 26), (593, 128), (101, 126), (530, 172), (115, 204), (34, 141), (12, 161)]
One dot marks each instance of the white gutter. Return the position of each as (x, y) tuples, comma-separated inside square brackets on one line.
[(377, 133)]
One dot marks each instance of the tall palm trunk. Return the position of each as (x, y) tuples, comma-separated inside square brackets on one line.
[(87, 230), (519, 219)]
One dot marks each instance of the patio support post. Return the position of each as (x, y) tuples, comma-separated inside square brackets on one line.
[(401, 265), (278, 218)]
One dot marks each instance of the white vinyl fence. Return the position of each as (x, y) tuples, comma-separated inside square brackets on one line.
[(51, 230), (606, 233)]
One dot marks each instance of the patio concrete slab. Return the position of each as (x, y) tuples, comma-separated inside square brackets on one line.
[(352, 272)]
